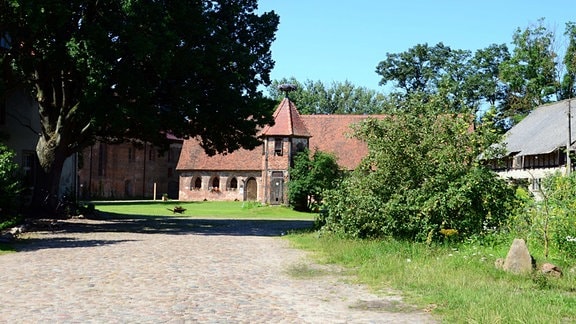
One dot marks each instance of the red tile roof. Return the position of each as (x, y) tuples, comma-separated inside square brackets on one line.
[(332, 133), (193, 157), (287, 122), (327, 133)]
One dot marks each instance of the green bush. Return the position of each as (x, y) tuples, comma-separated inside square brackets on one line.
[(9, 185), (559, 209), (421, 181), (310, 177)]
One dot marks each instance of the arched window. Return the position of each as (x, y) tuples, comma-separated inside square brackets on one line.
[(216, 182), (233, 184), (198, 183)]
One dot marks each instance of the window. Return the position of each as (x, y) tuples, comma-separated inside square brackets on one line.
[(216, 182), (278, 146), (130, 154), (198, 183), (152, 154), (233, 184), (102, 160), (29, 164)]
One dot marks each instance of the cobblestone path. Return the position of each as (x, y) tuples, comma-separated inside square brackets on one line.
[(178, 270)]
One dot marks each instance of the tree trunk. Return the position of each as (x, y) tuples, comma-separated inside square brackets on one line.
[(52, 153), (47, 181)]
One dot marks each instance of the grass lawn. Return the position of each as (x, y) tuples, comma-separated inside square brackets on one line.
[(458, 284), (6, 248), (204, 209)]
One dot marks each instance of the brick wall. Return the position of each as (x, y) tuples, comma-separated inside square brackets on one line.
[(128, 171)]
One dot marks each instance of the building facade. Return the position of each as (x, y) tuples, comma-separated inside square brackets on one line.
[(128, 171), (20, 123), (539, 145), (262, 174)]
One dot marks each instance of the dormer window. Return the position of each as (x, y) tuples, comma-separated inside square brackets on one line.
[(278, 146)]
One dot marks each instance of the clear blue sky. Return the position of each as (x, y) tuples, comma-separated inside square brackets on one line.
[(345, 40)]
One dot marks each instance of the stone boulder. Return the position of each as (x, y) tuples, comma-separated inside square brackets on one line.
[(519, 259), (551, 270)]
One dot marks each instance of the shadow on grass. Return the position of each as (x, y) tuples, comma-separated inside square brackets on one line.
[(175, 225), (66, 234)]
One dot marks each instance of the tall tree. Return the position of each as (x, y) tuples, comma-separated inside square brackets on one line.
[(116, 70), (531, 71), (416, 70), (568, 86), (313, 97), (465, 81)]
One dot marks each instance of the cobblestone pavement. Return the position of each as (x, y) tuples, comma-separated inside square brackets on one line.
[(179, 270)]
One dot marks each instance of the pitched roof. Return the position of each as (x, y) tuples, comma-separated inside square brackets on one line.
[(544, 130), (287, 122), (193, 157), (329, 133), (332, 133)]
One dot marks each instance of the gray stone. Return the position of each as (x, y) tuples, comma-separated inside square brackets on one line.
[(518, 259)]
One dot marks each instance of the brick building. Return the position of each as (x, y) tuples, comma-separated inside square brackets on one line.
[(128, 171), (261, 174)]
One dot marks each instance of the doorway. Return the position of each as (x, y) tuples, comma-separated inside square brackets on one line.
[(251, 190)]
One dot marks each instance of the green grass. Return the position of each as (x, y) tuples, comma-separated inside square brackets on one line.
[(462, 285), (6, 248), (210, 209)]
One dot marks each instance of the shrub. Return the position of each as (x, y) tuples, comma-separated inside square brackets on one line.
[(9, 184), (422, 175)]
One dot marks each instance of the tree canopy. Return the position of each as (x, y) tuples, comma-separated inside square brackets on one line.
[(114, 70), (314, 97), (465, 81)]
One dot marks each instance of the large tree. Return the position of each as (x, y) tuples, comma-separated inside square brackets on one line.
[(314, 97), (531, 72), (568, 83), (465, 81), (115, 70)]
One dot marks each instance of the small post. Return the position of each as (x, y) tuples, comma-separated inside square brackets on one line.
[(154, 190)]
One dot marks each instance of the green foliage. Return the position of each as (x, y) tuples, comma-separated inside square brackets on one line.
[(560, 197), (338, 98), (9, 185), (310, 177), (456, 283), (531, 70), (465, 81), (421, 176), (568, 85), (136, 70)]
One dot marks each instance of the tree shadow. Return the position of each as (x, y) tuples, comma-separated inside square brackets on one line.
[(60, 242), (178, 225), (66, 235)]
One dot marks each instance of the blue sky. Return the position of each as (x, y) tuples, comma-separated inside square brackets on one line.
[(345, 40)]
